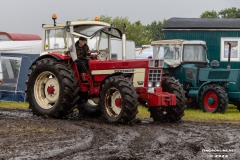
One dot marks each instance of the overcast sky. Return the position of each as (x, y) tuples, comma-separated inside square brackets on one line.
[(27, 16)]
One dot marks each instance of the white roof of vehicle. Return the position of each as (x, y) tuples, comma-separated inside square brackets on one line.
[(76, 23), (173, 41), (177, 42), (194, 42)]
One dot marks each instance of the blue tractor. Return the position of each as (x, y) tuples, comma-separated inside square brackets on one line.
[(206, 85)]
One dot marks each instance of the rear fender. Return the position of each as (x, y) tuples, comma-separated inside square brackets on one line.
[(201, 87), (58, 57)]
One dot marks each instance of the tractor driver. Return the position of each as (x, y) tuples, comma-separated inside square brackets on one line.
[(82, 53)]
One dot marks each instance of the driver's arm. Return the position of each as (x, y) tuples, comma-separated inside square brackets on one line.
[(87, 50)]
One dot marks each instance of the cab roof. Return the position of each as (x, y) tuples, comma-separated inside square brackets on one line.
[(76, 23), (177, 42), (172, 41), (87, 29)]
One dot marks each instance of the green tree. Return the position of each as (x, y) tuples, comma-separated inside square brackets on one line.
[(209, 14), (156, 30), (230, 13), (137, 32), (117, 22), (225, 13)]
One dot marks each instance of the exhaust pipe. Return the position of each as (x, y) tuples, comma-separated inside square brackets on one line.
[(124, 44), (229, 55)]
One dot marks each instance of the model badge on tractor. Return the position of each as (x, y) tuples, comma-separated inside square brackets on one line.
[(113, 88)]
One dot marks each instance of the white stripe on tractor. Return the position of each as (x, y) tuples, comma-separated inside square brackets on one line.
[(139, 74)]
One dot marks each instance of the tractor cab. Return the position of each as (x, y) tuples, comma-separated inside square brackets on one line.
[(176, 52), (60, 38), (183, 59)]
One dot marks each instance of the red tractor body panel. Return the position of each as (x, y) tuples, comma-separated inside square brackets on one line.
[(119, 64), (60, 56), (92, 86), (157, 98)]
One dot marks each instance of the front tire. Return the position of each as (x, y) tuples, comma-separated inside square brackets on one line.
[(172, 113), (52, 88), (118, 100), (213, 99)]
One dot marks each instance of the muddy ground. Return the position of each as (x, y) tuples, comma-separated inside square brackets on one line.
[(23, 136)]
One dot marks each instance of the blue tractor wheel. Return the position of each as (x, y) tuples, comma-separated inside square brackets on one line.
[(213, 98)]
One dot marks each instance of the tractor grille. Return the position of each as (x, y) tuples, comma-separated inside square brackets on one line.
[(154, 76)]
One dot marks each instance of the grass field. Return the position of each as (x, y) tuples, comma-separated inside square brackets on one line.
[(14, 105), (232, 115)]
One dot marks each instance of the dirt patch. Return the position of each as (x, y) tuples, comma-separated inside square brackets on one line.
[(24, 136)]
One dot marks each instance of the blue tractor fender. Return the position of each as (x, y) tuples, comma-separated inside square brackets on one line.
[(204, 84)]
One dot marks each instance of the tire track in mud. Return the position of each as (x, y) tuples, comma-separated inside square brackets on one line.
[(185, 141), (227, 138), (110, 142), (23, 136), (38, 138), (177, 142)]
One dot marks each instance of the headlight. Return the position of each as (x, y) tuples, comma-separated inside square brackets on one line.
[(157, 84), (150, 84)]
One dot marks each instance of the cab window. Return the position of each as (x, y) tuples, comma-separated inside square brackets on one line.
[(55, 39)]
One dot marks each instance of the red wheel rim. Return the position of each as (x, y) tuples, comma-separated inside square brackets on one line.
[(50, 89), (118, 102), (211, 101)]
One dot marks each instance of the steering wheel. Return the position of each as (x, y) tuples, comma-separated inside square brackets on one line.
[(102, 55)]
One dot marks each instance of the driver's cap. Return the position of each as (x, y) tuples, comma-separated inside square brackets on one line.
[(82, 38)]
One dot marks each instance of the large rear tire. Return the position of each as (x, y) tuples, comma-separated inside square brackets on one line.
[(213, 98), (52, 88), (118, 100), (173, 113)]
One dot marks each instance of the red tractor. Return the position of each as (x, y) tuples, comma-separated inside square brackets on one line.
[(114, 88)]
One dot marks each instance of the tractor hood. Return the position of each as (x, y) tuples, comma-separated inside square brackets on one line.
[(125, 64)]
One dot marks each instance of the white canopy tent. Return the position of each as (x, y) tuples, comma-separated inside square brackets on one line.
[(16, 58), (27, 47)]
